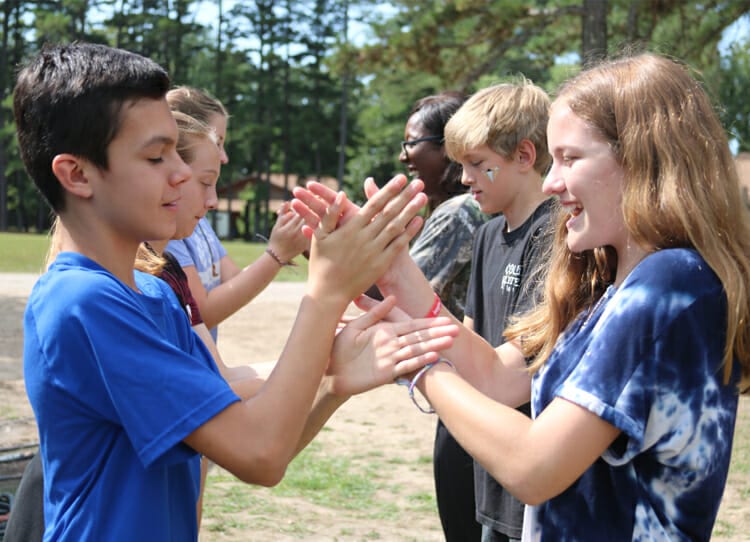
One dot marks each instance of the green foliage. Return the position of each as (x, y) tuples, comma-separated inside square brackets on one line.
[(22, 252), (734, 82), (26, 253), (288, 73)]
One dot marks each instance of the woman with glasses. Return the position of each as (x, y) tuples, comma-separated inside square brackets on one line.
[(443, 252)]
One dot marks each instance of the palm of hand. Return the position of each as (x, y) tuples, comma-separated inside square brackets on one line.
[(363, 358)]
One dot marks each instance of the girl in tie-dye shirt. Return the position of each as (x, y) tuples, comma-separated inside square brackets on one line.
[(640, 346)]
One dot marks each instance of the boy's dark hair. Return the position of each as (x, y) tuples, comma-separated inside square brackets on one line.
[(434, 113), (68, 99)]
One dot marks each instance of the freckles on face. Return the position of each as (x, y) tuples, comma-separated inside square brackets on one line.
[(587, 179)]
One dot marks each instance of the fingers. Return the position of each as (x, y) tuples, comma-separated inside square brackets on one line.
[(412, 364), (426, 327), (390, 214), (367, 303), (370, 187), (309, 206), (310, 217), (425, 340), (376, 312), (331, 217), (388, 194), (321, 191), (283, 209)]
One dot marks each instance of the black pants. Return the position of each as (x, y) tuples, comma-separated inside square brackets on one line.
[(454, 487)]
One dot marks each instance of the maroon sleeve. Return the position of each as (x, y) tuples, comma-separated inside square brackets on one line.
[(173, 275)]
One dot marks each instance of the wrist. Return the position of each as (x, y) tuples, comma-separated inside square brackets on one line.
[(326, 297), (280, 259), (390, 282), (419, 376)]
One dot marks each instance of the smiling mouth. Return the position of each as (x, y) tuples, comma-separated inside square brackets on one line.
[(573, 209)]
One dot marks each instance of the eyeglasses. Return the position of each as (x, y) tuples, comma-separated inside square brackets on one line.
[(412, 142)]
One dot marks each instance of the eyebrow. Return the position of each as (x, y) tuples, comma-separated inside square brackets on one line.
[(158, 139)]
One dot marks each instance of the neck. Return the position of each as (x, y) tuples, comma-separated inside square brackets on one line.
[(627, 258), (522, 209), (158, 246), (99, 244)]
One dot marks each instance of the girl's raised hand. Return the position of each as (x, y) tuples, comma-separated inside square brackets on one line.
[(368, 352), (287, 239)]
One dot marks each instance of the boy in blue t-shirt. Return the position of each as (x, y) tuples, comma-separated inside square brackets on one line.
[(125, 395)]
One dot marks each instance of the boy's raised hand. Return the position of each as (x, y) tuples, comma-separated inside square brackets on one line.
[(346, 258), (369, 352)]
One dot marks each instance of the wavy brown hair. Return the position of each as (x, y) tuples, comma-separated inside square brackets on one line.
[(680, 189)]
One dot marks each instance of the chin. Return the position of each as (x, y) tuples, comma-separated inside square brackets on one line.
[(575, 245)]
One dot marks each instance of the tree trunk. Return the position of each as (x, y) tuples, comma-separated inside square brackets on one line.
[(594, 31), (344, 99)]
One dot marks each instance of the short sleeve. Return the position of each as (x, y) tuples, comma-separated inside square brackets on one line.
[(652, 348), (133, 361), (443, 248)]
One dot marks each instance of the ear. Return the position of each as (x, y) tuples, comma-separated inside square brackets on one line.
[(70, 170), (526, 153)]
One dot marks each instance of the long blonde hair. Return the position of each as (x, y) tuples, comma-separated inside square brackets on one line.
[(681, 189)]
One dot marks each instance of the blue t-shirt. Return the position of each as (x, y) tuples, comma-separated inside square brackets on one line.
[(647, 359), (117, 380), (204, 251)]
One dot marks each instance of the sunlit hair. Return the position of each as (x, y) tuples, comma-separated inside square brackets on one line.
[(501, 116), (195, 102), (55, 242), (680, 189), (191, 132)]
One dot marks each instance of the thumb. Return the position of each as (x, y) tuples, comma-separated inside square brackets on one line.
[(375, 313)]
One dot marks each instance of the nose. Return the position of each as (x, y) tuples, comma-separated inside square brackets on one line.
[(181, 173), (466, 178), (223, 156), (212, 199), (403, 157), (553, 183)]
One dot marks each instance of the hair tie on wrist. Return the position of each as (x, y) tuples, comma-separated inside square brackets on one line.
[(275, 256), (413, 384)]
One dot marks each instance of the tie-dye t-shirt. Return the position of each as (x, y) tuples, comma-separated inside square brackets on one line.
[(646, 359)]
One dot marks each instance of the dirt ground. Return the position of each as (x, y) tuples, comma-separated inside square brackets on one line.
[(383, 419)]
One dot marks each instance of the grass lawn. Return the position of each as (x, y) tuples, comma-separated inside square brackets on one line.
[(25, 253)]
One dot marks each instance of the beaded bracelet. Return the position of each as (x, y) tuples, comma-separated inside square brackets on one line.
[(437, 305), (275, 256), (413, 383)]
